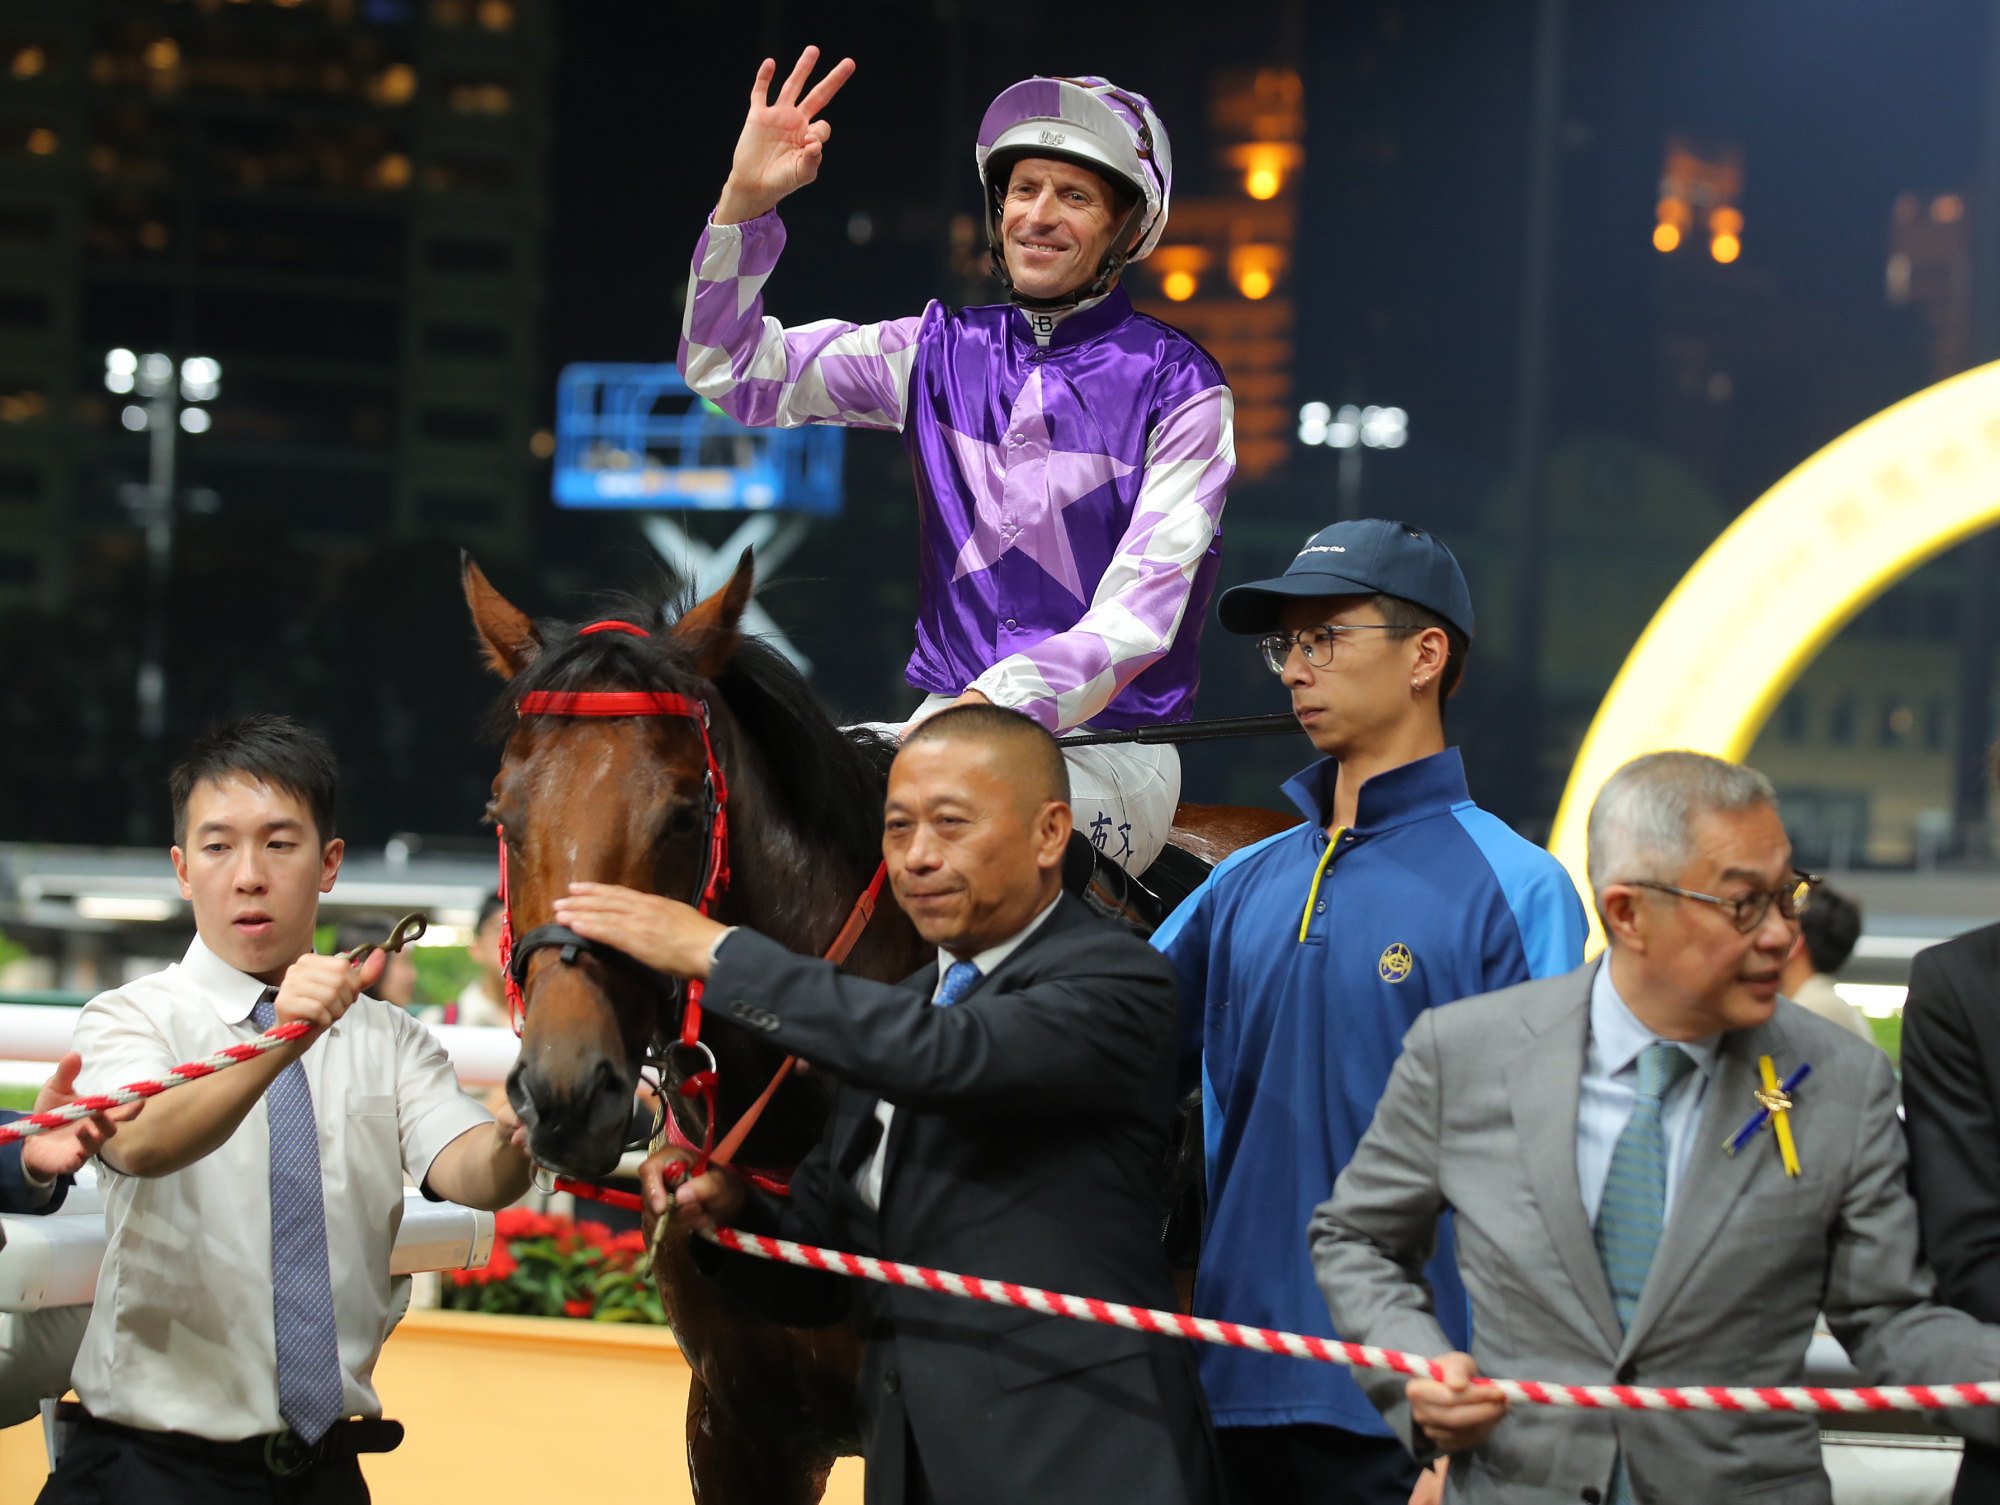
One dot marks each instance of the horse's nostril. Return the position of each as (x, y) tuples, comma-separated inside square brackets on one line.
[(607, 1081)]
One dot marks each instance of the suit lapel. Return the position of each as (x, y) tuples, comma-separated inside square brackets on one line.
[(1543, 1087), (1712, 1181)]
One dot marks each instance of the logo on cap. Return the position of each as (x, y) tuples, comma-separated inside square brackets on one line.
[(1053, 138)]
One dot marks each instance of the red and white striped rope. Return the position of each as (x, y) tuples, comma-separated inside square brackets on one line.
[(1361, 1355), (1151, 1319), (138, 1092)]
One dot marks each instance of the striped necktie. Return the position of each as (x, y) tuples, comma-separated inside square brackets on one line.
[(309, 1384), (1633, 1210), (960, 978)]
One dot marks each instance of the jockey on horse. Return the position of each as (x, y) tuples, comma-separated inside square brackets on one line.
[(1071, 455)]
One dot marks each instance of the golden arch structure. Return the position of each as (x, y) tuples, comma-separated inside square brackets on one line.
[(1741, 626)]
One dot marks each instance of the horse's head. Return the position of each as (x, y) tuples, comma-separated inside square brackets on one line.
[(608, 798)]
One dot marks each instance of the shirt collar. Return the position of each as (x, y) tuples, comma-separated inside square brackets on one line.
[(1395, 797), (992, 956), (1072, 326), (232, 994), (1617, 1037)]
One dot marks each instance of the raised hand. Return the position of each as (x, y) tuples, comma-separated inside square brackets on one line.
[(780, 148)]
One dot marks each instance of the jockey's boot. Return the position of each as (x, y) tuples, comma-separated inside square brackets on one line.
[(1108, 889)]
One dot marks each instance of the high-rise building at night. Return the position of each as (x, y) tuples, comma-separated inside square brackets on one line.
[(1222, 274), (340, 201), (1930, 270)]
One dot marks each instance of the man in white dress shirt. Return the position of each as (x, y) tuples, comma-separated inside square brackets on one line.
[(228, 1350)]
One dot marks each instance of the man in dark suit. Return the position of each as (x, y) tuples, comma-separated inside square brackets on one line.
[(35, 1174), (1004, 1114), (1951, 1074)]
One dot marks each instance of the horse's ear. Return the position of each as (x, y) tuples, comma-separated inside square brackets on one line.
[(712, 631), (505, 631)]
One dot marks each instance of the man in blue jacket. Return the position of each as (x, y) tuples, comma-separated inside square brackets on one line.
[(1304, 958), (35, 1174)]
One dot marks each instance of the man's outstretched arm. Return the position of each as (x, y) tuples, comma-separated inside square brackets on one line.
[(180, 1127)]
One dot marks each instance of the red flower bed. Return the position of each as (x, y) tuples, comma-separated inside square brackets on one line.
[(550, 1266)]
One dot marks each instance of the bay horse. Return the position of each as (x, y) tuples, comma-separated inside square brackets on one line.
[(590, 788)]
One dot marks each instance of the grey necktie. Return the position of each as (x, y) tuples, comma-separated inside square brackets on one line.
[(1633, 1210), (960, 978), (309, 1387)]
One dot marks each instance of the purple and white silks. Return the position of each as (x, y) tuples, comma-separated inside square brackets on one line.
[(1070, 495)]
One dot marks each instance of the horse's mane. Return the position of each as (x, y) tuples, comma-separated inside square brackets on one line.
[(828, 780)]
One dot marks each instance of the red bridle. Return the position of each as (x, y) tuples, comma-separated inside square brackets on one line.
[(715, 800), (715, 878)]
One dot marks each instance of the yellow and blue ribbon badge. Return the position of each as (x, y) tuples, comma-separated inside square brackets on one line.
[(1774, 1106)]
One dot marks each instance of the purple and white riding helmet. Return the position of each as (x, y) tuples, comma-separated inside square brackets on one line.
[(1092, 122)]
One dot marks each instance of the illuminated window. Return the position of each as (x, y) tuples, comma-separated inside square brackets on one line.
[(1178, 285), (1666, 237), (22, 404), (163, 55), (41, 142), (496, 15), (1725, 248), (394, 85), (480, 99), (391, 172), (29, 62)]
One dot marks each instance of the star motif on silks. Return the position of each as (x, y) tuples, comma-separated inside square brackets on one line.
[(1066, 476)]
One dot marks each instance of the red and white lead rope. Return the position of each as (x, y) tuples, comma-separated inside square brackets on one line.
[(138, 1092), (1360, 1355), (1139, 1318)]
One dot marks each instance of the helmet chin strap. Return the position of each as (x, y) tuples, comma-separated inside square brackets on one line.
[(1107, 274)]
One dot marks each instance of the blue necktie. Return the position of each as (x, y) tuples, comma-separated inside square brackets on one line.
[(1633, 1210), (309, 1388), (960, 978)]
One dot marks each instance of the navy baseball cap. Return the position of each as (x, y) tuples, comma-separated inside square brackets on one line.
[(1368, 556)]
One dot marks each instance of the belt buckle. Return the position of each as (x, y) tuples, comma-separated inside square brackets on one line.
[(286, 1453)]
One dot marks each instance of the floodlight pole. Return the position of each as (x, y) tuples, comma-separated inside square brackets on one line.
[(162, 429)]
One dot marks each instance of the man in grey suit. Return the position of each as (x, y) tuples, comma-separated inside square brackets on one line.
[(1576, 1125)]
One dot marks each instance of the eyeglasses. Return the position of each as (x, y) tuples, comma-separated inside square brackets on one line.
[(1316, 643), (1747, 912)]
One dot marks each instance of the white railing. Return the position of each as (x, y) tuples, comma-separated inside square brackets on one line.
[(52, 1261)]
